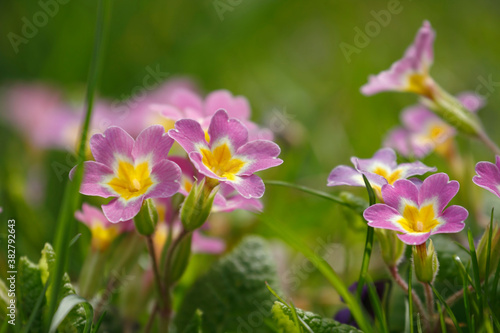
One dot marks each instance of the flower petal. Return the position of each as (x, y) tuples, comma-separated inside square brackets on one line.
[(385, 157), (471, 101), (402, 193), (488, 176), (414, 169), (260, 154), (383, 216), (237, 106), (222, 128), (248, 186), (344, 175), (189, 134), (414, 238), (452, 220), (114, 143), (204, 244), (118, 210), (438, 188), (167, 176), (94, 177), (152, 144)]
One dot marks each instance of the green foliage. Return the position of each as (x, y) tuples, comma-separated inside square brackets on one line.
[(30, 287), (283, 318), (195, 324), (233, 294)]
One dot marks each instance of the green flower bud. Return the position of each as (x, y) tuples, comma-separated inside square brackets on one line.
[(391, 246), (180, 258), (482, 252), (145, 221), (198, 205), (426, 262)]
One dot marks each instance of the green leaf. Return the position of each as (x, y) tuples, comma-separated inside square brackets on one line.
[(30, 288), (283, 317), (448, 309), (232, 295), (75, 320), (195, 324), (67, 305)]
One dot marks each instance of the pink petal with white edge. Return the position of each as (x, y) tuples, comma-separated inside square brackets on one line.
[(415, 238), (189, 134), (167, 176), (118, 210), (197, 160), (94, 176), (452, 220), (152, 144), (261, 155), (115, 141), (403, 192), (249, 186), (237, 106), (439, 189), (222, 128), (383, 216)]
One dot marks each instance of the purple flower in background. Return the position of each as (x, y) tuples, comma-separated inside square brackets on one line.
[(130, 170), (418, 210), (103, 231), (411, 73), (344, 316), (225, 154), (488, 176), (381, 169)]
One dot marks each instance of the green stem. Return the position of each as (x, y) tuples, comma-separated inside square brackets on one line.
[(484, 138), (154, 264), (71, 197)]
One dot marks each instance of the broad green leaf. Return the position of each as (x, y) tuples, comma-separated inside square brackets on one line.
[(67, 305), (283, 318), (30, 286), (232, 295)]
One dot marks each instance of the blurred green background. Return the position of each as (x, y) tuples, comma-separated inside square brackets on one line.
[(284, 56)]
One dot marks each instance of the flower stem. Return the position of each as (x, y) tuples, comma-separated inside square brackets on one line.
[(488, 142), (429, 297), (154, 263), (399, 280)]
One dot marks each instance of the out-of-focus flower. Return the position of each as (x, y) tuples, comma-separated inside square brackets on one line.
[(103, 231), (423, 131), (344, 316), (187, 104), (381, 169), (225, 154), (488, 176), (130, 170), (411, 73), (418, 211)]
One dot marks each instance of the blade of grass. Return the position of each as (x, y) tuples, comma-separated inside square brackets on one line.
[(71, 196), (488, 253), (322, 266), (66, 305), (377, 306), (410, 296), (95, 328), (448, 309), (419, 324), (295, 317), (495, 284), (441, 318), (368, 243), (317, 193), (475, 270), (465, 281)]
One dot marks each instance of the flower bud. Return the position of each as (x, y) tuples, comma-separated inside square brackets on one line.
[(197, 205), (180, 258), (426, 262), (482, 251), (391, 246), (145, 220)]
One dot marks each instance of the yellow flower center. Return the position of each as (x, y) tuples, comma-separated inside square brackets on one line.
[(131, 181), (390, 176), (417, 83), (221, 162), (101, 236), (418, 220)]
